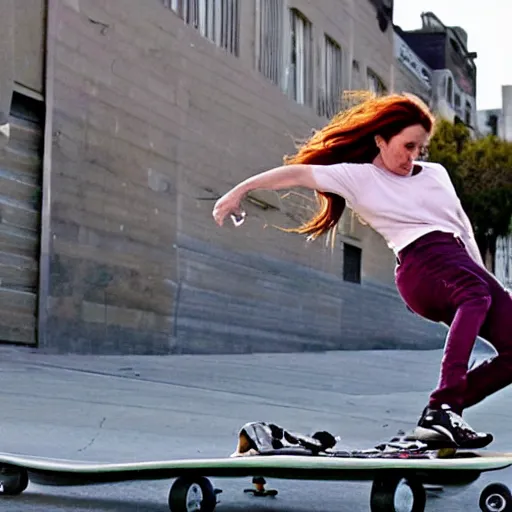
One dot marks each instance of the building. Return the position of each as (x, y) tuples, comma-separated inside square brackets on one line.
[(498, 121), (503, 261), (411, 74), (127, 121), (444, 51)]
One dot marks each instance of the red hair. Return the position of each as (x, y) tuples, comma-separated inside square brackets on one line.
[(350, 137)]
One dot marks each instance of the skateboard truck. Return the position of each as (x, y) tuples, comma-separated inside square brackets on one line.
[(216, 492), (259, 488)]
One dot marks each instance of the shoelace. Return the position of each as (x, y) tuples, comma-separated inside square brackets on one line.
[(459, 423)]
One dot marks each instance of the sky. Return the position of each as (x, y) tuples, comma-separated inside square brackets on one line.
[(489, 28)]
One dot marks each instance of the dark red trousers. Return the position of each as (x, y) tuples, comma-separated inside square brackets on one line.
[(438, 279)]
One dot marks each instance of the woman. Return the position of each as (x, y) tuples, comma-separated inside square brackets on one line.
[(367, 156)]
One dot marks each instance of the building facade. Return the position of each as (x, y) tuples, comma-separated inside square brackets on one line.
[(127, 121), (498, 121), (443, 56), (411, 73)]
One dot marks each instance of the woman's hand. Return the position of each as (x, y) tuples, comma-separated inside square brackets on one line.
[(228, 204), (288, 176)]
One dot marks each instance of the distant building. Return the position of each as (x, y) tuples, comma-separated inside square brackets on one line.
[(503, 261), (442, 55), (411, 73), (498, 121)]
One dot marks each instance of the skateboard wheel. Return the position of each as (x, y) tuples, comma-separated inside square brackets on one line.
[(446, 453), (496, 498), (13, 480), (396, 494), (195, 494)]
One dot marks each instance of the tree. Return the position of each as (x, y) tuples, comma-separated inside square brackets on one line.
[(481, 171)]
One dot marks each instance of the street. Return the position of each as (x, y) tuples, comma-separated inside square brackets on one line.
[(124, 408)]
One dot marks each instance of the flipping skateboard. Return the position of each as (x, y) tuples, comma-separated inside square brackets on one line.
[(192, 489)]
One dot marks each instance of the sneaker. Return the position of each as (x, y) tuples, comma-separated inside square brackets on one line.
[(443, 423)]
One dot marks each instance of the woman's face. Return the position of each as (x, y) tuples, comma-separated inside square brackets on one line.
[(398, 155)]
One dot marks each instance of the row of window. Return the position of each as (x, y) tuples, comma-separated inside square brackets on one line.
[(284, 47), (453, 95), (217, 20), (286, 60)]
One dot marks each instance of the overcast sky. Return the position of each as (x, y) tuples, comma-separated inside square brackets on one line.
[(489, 28)]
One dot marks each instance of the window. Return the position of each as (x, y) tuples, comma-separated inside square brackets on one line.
[(300, 64), (492, 123), (375, 84), (270, 39), (455, 46), (351, 263), (449, 90), (217, 20), (468, 113), (330, 86)]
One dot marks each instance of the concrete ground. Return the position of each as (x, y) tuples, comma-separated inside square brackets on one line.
[(123, 408)]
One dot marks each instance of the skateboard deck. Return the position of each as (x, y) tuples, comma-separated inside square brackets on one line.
[(60, 471), (192, 475)]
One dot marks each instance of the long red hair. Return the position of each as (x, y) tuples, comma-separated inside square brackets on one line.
[(350, 137)]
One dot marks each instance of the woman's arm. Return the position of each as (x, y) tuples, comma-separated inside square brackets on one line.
[(286, 176), (339, 179)]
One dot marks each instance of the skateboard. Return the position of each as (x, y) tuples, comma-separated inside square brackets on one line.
[(391, 474)]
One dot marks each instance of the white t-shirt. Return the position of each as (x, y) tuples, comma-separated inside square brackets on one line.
[(400, 208)]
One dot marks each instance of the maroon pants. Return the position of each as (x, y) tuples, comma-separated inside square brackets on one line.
[(438, 279)]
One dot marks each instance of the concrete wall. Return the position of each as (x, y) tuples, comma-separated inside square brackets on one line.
[(29, 43), (150, 123), (6, 65)]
